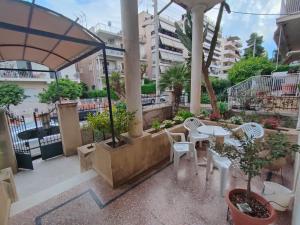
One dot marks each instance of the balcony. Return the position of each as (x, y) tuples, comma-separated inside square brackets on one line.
[(113, 53), (290, 6), (25, 76)]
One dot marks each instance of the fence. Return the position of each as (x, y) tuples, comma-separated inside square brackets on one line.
[(266, 92)]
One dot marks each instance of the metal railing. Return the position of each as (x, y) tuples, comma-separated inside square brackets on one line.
[(290, 6), (266, 91), (7, 74)]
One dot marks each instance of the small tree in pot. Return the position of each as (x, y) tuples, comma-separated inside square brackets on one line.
[(247, 207)]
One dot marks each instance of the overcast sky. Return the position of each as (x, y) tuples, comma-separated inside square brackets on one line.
[(92, 12)]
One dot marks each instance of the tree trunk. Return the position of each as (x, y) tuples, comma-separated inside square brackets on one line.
[(248, 193), (177, 95), (210, 91)]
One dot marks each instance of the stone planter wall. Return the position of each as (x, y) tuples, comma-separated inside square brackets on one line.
[(5, 203), (121, 164), (158, 113)]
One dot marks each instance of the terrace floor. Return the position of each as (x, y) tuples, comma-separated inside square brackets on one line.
[(158, 198)]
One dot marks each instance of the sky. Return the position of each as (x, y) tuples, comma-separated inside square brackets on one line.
[(91, 12)]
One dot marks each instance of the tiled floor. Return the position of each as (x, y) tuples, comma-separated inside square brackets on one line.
[(46, 173), (160, 198)]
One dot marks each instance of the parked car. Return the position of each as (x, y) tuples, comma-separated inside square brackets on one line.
[(150, 100)]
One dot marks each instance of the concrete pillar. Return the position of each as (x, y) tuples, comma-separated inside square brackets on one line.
[(197, 51), (129, 12), (7, 154), (69, 127)]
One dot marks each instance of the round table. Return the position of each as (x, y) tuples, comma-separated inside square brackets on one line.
[(220, 133), (213, 131)]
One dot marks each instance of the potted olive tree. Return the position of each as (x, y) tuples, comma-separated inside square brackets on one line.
[(247, 207)]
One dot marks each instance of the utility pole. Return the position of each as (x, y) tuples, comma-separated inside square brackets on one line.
[(156, 68)]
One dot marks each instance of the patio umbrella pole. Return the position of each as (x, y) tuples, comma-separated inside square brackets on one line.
[(109, 97)]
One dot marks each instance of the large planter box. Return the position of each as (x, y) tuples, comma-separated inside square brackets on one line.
[(5, 203), (121, 164)]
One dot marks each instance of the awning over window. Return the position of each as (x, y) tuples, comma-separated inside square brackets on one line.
[(171, 57), (167, 26), (171, 43), (33, 33)]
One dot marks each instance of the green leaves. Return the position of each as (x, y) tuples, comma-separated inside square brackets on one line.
[(65, 89), (246, 68), (11, 94), (101, 122)]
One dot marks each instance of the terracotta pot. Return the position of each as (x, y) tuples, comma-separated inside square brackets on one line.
[(240, 218)]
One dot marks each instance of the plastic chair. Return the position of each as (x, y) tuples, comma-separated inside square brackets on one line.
[(222, 163), (179, 148), (252, 130), (191, 124)]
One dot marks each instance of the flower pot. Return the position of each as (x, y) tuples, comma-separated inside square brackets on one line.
[(240, 218)]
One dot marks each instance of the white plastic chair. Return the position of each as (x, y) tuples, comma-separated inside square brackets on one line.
[(252, 130), (179, 148), (222, 163), (191, 124)]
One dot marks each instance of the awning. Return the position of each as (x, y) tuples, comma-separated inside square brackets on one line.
[(167, 26), (171, 43), (171, 57), (33, 33)]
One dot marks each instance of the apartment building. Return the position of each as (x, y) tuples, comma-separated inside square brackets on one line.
[(91, 68), (32, 82), (171, 50), (230, 54), (287, 34)]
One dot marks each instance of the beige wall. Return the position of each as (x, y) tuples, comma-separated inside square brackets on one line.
[(121, 164), (7, 154), (69, 127), (160, 114), (5, 203)]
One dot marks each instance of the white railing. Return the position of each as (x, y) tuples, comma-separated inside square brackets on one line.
[(19, 75), (290, 6), (256, 90)]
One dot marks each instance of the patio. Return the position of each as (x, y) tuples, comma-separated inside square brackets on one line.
[(156, 198)]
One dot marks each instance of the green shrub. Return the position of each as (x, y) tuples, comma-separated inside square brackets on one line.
[(101, 122), (205, 113), (223, 107), (184, 114), (236, 120), (205, 98), (156, 125), (101, 94), (149, 88), (168, 123), (178, 119)]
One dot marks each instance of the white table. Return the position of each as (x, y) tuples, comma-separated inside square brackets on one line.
[(220, 133)]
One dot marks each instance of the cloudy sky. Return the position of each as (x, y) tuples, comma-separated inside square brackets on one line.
[(92, 12)]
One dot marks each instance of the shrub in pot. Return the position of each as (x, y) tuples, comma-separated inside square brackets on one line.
[(215, 117), (247, 207), (156, 125), (184, 114), (238, 120), (100, 123)]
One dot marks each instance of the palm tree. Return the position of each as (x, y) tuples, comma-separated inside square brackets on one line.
[(175, 78), (186, 39)]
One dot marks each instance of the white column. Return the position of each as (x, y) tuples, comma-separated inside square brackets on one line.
[(296, 185), (129, 12), (197, 51)]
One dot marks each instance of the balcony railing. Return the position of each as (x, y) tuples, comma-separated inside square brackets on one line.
[(110, 52), (290, 6), (25, 75)]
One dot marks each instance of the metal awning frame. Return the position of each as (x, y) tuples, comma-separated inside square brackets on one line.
[(98, 46)]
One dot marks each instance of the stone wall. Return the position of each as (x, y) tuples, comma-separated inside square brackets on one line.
[(119, 165), (157, 113), (5, 203)]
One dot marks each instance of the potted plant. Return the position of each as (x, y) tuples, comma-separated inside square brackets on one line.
[(247, 207), (271, 123)]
